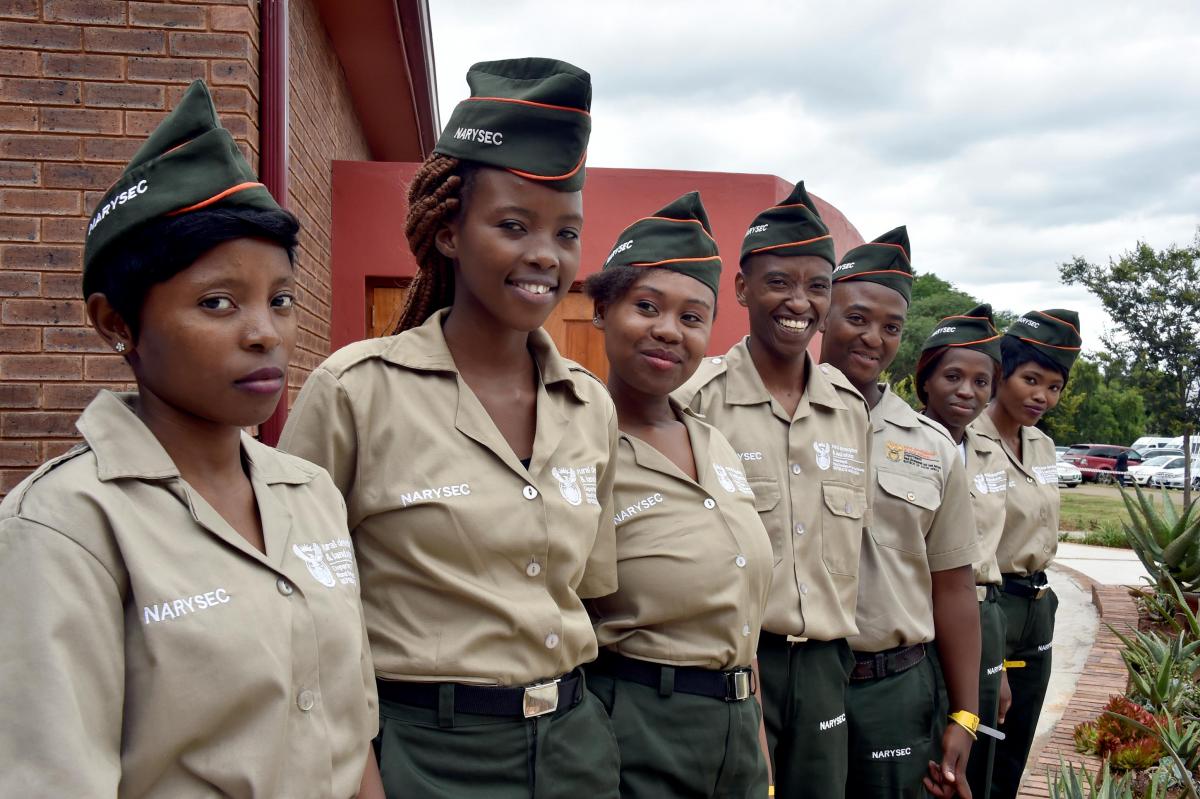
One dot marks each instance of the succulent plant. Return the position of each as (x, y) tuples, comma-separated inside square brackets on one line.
[(1167, 543), (1087, 737), (1135, 755), (1074, 782)]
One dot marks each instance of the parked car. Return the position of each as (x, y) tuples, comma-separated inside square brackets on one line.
[(1059, 451), (1151, 442), (1068, 475), (1097, 461), (1173, 478), (1144, 471), (1154, 452)]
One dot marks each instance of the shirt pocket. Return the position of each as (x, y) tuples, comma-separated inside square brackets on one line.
[(841, 529), (766, 502), (905, 511)]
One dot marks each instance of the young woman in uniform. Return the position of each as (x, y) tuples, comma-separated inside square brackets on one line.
[(693, 560), (801, 431), (1037, 352), (915, 581), (477, 463), (956, 377), (180, 603)]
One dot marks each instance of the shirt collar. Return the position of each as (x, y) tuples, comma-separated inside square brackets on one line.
[(893, 410), (424, 348), (124, 447), (744, 385)]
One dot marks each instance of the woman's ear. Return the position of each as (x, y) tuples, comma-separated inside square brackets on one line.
[(598, 315), (446, 241), (109, 324)]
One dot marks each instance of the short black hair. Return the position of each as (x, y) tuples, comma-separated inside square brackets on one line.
[(1014, 353), (608, 286), (163, 247)]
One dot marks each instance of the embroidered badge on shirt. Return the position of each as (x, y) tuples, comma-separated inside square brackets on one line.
[(732, 480), (577, 484), (837, 457), (329, 563), (1046, 475), (913, 456), (991, 482)]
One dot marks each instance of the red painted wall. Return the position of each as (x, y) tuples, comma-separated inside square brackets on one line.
[(368, 228)]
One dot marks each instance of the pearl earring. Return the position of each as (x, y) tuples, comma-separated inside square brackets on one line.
[(119, 346)]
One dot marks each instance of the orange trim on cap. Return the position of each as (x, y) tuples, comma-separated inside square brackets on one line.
[(529, 102), (969, 343), (789, 244), (1063, 321), (908, 275), (531, 176), (669, 219), (217, 197), (889, 244), (679, 260), (1044, 344), (790, 205)]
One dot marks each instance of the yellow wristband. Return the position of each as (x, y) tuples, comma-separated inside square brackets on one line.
[(967, 720), (1014, 664), (771, 790)]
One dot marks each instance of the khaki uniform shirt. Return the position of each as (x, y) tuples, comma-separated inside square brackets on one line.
[(1030, 536), (693, 560), (474, 566), (921, 523), (987, 478), (809, 475), (150, 651)]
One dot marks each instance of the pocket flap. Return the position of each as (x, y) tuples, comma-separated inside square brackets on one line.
[(766, 492), (844, 500), (910, 489)]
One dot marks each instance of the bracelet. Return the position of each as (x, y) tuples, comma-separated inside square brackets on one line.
[(1013, 664), (967, 720)]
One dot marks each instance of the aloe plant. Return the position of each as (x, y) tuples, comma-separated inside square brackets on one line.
[(1077, 783), (1167, 543), (1170, 738)]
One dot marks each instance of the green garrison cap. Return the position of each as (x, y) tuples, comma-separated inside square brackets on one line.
[(974, 330), (678, 238), (886, 260), (791, 228), (189, 162), (1054, 331), (527, 115)]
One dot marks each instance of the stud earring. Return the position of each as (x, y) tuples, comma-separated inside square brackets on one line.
[(596, 321), (119, 346)]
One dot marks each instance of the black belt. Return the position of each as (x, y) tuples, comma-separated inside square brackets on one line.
[(876, 665), (521, 701), (736, 685), (1033, 586)]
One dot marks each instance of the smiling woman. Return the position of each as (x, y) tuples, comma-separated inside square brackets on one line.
[(182, 552)]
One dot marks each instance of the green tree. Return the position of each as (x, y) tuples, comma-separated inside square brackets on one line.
[(1154, 299), (1096, 407), (933, 299)]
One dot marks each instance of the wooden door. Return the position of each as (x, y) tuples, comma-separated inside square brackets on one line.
[(570, 325)]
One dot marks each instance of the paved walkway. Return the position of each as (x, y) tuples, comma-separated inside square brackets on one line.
[(1102, 565)]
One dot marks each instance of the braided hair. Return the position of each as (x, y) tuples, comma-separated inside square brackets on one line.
[(435, 197)]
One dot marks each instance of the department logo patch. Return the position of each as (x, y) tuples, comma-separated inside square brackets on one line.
[(981, 483), (314, 558), (568, 485), (894, 451), (821, 448), (724, 478)]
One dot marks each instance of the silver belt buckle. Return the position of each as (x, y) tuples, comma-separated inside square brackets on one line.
[(1041, 590), (797, 639), (981, 593), (739, 686), (540, 699)]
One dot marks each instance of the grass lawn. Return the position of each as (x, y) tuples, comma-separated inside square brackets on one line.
[(1095, 514)]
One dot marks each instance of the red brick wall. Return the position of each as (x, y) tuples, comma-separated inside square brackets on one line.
[(82, 82), (323, 127)]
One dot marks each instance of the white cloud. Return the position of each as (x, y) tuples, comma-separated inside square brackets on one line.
[(1008, 137)]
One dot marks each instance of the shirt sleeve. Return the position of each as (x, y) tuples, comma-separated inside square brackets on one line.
[(320, 428), (600, 573), (63, 665), (951, 541)]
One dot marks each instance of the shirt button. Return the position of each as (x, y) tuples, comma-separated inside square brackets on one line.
[(533, 569), (745, 630), (710, 503), (306, 700), (529, 492), (1028, 479), (551, 640), (846, 509), (804, 588), (740, 560), (796, 468), (716, 360), (912, 497), (799, 529), (824, 368), (1046, 550), (284, 586)]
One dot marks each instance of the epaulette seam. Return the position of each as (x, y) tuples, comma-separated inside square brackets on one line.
[(47, 467)]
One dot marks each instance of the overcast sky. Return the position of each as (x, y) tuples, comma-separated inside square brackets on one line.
[(1008, 137)]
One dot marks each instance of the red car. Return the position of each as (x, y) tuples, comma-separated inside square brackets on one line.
[(1097, 462)]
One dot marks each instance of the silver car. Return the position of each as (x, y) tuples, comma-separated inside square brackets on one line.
[(1068, 475)]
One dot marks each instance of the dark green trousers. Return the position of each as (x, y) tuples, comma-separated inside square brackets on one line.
[(991, 662), (682, 746), (1029, 635), (569, 754), (804, 706), (893, 728)]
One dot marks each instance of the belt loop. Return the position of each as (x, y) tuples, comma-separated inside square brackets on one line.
[(446, 705), (666, 681), (880, 665)]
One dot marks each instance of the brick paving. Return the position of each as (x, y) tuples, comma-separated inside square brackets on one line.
[(1103, 676)]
